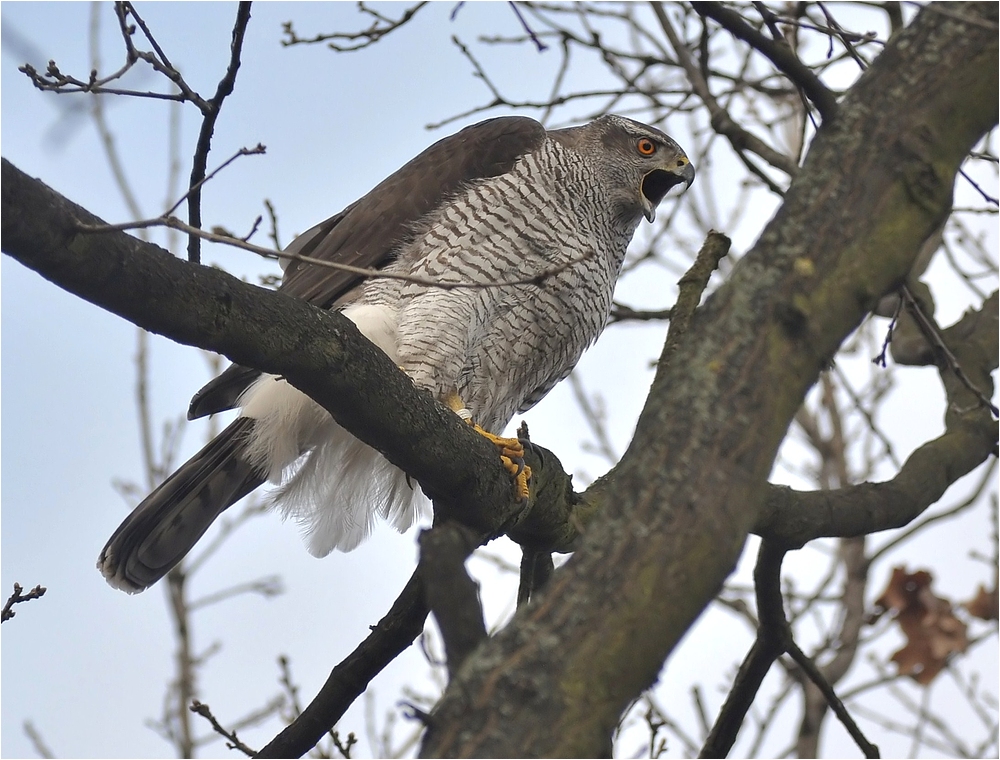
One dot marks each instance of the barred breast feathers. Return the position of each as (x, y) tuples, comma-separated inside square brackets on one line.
[(546, 212)]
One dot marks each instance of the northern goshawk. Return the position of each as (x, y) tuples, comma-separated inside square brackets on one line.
[(502, 201)]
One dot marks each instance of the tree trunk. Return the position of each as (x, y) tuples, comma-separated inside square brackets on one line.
[(876, 183)]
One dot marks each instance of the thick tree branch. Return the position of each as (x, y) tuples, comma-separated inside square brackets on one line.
[(675, 512), (453, 597), (794, 517), (319, 352)]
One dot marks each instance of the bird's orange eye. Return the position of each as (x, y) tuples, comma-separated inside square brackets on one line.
[(646, 146)]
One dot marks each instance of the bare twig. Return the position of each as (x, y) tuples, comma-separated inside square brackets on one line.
[(593, 414), (211, 115), (774, 637), (779, 54), (880, 360), (867, 415), (272, 215), (232, 741), (539, 45), (932, 333), (986, 196), (36, 740), (832, 699), (17, 597), (257, 150), (173, 222), (344, 748), (846, 39), (722, 122), (380, 28), (267, 586)]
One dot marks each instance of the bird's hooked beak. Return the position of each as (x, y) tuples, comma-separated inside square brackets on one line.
[(656, 183)]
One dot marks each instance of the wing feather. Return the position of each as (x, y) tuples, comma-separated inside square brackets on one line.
[(370, 231)]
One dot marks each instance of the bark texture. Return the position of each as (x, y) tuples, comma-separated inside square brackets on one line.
[(876, 183)]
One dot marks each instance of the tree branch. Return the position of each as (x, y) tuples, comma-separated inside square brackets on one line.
[(393, 633), (232, 741), (969, 439), (322, 354), (17, 597), (774, 638), (722, 122), (319, 352), (210, 115), (673, 515), (451, 594), (781, 55)]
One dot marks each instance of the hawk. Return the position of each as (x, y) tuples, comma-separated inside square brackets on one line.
[(537, 219)]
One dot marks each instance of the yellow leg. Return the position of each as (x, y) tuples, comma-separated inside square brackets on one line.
[(511, 450), (455, 403)]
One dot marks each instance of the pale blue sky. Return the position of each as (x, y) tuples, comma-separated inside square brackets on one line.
[(87, 664)]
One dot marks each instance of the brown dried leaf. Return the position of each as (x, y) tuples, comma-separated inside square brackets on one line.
[(985, 605), (932, 631)]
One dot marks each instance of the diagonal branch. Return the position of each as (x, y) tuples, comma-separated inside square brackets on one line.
[(722, 122), (394, 633), (774, 638), (677, 509), (319, 352), (932, 333), (781, 55), (233, 740)]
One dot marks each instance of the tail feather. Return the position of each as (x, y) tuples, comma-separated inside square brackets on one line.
[(223, 392), (168, 522)]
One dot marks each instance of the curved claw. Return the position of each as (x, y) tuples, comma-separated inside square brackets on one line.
[(512, 458)]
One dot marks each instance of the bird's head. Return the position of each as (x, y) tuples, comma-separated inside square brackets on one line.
[(648, 162)]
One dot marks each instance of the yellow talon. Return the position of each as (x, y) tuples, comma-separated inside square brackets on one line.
[(512, 458), (511, 450)]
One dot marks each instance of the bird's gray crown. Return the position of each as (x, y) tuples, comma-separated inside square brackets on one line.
[(639, 163)]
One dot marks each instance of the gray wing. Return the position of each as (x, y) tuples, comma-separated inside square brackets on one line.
[(369, 232)]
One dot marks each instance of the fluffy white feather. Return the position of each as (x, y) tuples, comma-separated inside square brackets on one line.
[(331, 483)]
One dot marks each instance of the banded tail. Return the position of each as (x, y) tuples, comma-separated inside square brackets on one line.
[(168, 522)]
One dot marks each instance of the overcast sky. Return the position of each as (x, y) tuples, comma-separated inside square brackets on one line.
[(87, 665)]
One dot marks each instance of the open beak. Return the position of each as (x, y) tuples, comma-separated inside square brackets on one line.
[(658, 182)]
